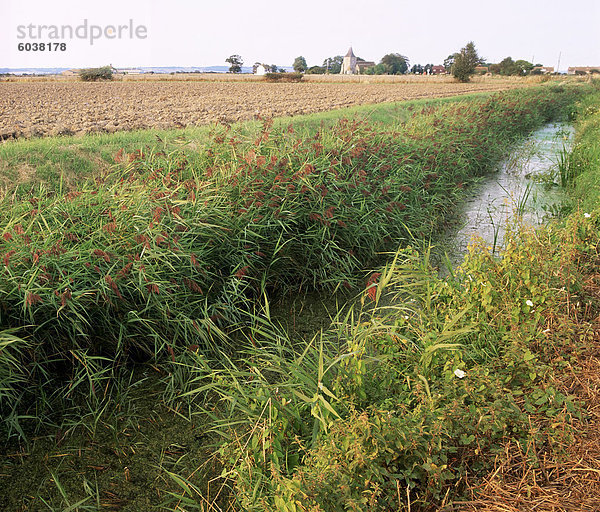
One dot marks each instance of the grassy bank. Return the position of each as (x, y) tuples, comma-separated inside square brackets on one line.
[(395, 405), (62, 162)]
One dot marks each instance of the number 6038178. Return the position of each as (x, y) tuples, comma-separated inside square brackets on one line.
[(42, 47)]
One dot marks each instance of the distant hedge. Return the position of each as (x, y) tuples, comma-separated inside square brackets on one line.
[(284, 77), (95, 74)]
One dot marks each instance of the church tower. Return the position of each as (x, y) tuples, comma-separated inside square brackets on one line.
[(349, 64)]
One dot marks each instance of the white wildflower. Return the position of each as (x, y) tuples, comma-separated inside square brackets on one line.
[(459, 373), (529, 303), (587, 215)]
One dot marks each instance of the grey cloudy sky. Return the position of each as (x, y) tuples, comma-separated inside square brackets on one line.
[(197, 33)]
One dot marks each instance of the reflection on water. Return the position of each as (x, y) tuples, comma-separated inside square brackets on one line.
[(512, 191)]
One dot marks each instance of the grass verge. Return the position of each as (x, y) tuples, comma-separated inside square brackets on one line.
[(62, 162)]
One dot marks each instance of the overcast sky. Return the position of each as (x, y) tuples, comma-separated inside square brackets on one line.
[(197, 33)]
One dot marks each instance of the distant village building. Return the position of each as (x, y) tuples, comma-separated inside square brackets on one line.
[(352, 66), (70, 72), (438, 70), (583, 70), (363, 65), (260, 69)]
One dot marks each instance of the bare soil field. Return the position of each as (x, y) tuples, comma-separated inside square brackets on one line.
[(248, 77), (29, 109)]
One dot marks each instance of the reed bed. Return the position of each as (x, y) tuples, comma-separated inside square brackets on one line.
[(173, 263), (160, 255)]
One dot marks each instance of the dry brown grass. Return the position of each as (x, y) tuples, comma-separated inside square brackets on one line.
[(566, 484)]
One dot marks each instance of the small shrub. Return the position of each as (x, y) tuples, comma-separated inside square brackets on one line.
[(284, 77), (96, 74)]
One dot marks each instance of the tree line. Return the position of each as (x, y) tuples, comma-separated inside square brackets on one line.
[(390, 64), (462, 65)]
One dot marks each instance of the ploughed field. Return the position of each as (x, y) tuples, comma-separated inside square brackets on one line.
[(30, 109)]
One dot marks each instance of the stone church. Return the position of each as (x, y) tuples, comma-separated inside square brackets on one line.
[(349, 63), (352, 66)]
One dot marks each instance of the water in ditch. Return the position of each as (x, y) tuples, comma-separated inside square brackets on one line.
[(521, 189)]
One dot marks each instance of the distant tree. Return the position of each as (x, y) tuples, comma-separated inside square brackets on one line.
[(316, 70), (96, 74), (333, 64), (428, 68), (417, 69), (378, 69), (268, 69), (465, 62), (300, 65), (235, 62), (494, 68), (395, 64), (519, 68), (507, 66), (523, 67)]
